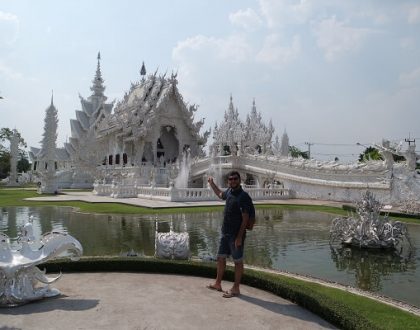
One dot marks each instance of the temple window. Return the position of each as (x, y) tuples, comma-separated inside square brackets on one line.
[(124, 158), (110, 160), (117, 159)]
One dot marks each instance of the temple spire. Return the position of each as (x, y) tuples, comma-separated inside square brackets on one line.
[(254, 107), (143, 70), (98, 87), (52, 97)]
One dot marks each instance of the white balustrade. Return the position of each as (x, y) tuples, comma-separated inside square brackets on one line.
[(101, 189), (182, 194), (124, 191)]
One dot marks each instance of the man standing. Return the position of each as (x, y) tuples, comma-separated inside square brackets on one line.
[(235, 218)]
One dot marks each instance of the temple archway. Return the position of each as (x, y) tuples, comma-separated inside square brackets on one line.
[(167, 144)]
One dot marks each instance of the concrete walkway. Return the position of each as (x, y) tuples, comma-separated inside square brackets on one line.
[(154, 301), (86, 196)]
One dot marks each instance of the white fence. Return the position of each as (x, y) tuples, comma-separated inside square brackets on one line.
[(181, 194)]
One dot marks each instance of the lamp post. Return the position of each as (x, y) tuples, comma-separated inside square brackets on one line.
[(309, 144)]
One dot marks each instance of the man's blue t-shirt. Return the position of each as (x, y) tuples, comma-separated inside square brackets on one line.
[(237, 202)]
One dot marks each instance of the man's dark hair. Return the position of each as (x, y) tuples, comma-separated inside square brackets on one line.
[(232, 173)]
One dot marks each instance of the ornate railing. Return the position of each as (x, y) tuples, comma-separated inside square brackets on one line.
[(153, 192), (181, 194), (124, 191), (362, 177), (192, 194), (268, 193), (101, 189)]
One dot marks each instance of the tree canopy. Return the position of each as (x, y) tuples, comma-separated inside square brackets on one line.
[(296, 152), (370, 153)]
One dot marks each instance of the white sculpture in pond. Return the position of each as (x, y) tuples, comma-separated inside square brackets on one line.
[(19, 277), (172, 245), (368, 229)]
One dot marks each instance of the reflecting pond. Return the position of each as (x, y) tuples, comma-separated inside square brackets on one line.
[(285, 239)]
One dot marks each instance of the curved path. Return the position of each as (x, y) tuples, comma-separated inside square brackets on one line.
[(155, 301)]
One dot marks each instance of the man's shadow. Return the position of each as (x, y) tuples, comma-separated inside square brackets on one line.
[(291, 310)]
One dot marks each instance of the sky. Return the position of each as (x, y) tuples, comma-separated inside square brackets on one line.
[(330, 73)]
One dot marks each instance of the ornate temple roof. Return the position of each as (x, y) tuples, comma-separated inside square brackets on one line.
[(138, 111), (61, 154), (231, 130), (94, 108), (251, 133)]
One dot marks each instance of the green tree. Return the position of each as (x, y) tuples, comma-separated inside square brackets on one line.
[(370, 153), (6, 134), (23, 164), (296, 152), (4, 162)]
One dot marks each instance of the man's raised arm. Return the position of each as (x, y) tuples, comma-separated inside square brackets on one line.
[(215, 188)]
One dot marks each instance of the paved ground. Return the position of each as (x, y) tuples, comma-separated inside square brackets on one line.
[(153, 203), (153, 301)]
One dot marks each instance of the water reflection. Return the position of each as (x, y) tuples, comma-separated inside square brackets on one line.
[(370, 266), (286, 239)]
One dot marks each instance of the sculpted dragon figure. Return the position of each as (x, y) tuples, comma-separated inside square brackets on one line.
[(368, 229), (20, 280)]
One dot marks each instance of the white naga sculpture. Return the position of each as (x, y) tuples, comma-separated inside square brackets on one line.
[(19, 277), (368, 229), (172, 245)]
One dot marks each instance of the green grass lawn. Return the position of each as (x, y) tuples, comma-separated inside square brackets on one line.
[(16, 196)]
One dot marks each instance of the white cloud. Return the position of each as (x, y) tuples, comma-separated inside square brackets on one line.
[(9, 73), (407, 43), (274, 53), (233, 48), (336, 38), (410, 78), (9, 28), (247, 19), (414, 15), (282, 12)]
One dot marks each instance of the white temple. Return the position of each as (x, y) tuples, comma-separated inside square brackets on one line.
[(149, 145)]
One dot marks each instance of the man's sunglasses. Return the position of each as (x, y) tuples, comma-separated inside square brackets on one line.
[(234, 178)]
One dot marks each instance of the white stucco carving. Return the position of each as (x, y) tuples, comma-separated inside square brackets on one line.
[(21, 281), (368, 229)]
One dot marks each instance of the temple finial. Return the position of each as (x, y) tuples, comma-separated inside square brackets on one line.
[(52, 97), (98, 87), (143, 70)]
